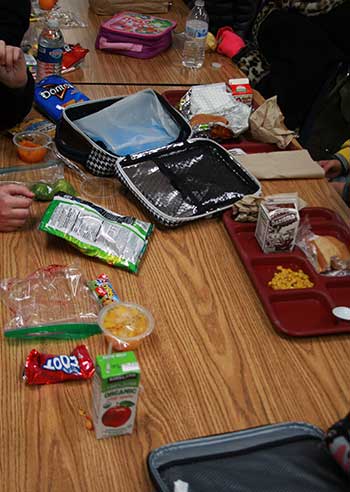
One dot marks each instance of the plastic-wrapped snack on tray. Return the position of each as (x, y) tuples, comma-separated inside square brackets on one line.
[(52, 302), (118, 240)]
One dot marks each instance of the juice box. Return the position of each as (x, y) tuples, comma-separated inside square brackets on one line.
[(115, 389), (241, 90)]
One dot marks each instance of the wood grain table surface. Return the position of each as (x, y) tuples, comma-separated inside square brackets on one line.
[(165, 68), (214, 363)]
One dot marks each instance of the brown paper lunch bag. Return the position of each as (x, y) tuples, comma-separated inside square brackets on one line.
[(111, 7)]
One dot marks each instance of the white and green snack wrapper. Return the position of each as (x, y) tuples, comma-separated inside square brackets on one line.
[(118, 240)]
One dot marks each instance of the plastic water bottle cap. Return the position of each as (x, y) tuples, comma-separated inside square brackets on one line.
[(199, 3), (52, 23), (216, 65)]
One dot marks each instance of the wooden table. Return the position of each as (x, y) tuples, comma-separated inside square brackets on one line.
[(213, 364), (166, 68)]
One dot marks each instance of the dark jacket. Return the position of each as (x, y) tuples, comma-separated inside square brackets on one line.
[(238, 14), (14, 21)]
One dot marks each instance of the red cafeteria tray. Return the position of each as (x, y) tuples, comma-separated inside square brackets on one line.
[(296, 312), (242, 142)]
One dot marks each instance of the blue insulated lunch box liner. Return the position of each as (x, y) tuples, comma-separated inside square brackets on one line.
[(288, 457)]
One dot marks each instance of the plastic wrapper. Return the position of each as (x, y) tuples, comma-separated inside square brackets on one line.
[(48, 368), (126, 128), (327, 254), (54, 93), (73, 56), (48, 172), (103, 290), (66, 18), (181, 181), (53, 302), (34, 124), (44, 180), (118, 240), (224, 104)]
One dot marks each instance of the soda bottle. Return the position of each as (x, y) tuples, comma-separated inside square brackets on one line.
[(50, 50), (196, 31)]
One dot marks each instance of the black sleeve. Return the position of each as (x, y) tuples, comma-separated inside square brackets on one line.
[(244, 13), (16, 103), (14, 20)]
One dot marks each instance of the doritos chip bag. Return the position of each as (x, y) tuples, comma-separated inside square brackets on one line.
[(54, 93)]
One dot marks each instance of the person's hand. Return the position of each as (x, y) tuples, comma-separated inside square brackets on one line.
[(13, 70), (332, 168), (15, 201)]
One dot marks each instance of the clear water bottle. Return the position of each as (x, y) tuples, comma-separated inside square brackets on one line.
[(196, 31), (50, 50)]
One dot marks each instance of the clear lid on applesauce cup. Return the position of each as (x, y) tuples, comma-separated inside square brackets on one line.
[(119, 319)]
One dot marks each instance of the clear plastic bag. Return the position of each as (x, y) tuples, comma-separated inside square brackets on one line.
[(48, 172), (136, 123), (327, 254), (53, 301)]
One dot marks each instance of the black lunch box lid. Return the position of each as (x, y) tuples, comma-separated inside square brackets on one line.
[(287, 457)]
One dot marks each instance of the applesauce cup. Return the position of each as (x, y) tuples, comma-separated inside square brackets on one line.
[(118, 319), (32, 146)]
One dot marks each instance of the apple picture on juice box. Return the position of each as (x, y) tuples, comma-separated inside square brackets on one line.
[(119, 415)]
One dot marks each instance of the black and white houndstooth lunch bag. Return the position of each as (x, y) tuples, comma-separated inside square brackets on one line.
[(177, 181)]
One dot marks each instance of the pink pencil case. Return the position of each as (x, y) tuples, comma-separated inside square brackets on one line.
[(134, 34)]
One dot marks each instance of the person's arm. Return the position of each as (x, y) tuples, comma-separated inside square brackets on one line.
[(14, 20), (343, 155), (16, 86)]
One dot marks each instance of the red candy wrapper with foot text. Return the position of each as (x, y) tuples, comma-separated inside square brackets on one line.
[(48, 368)]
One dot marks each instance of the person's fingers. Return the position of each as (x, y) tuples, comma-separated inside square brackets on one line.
[(19, 213), (17, 189), (9, 58), (20, 202), (12, 225), (2, 52), (17, 54)]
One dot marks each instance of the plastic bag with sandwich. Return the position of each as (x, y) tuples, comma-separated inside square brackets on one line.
[(328, 254)]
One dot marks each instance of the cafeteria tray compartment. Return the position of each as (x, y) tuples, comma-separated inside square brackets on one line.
[(296, 312)]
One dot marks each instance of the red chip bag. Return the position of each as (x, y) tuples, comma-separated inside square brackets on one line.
[(73, 55)]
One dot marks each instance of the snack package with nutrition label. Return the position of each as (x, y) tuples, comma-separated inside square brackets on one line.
[(116, 239), (115, 390), (54, 93), (278, 222)]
